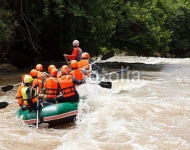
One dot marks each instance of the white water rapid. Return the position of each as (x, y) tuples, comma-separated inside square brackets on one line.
[(148, 108)]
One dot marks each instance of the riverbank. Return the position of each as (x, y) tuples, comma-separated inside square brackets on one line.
[(8, 68)]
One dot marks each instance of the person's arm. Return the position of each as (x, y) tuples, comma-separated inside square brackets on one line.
[(85, 71), (75, 81), (43, 91), (95, 67), (16, 96), (74, 54)]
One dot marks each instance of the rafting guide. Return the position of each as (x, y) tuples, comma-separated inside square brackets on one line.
[(76, 53)]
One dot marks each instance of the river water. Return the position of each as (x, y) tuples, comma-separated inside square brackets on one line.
[(148, 108)]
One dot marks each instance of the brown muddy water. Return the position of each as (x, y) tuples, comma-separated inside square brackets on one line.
[(148, 108)]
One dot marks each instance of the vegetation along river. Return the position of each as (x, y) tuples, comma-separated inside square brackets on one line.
[(147, 108)]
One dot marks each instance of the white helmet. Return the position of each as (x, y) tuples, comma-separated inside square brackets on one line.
[(75, 43)]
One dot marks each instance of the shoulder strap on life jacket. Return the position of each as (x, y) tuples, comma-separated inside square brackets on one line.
[(79, 54)]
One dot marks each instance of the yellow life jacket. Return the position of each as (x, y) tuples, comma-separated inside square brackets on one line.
[(25, 97)]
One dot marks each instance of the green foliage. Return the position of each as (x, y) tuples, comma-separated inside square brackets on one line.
[(142, 27), (6, 26), (143, 24)]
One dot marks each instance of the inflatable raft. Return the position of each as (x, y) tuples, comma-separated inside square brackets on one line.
[(56, 114)]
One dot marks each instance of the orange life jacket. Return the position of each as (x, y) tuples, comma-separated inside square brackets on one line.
[(39, 82), (66, 86), (19, 95), (84, 63), (77, 74), (51, 87), (59, 75), (40, 76)]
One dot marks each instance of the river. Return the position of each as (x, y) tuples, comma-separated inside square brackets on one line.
[(148, 108)]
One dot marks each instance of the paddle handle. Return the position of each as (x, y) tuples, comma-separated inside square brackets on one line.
[(17, 84), (37, 116), (66, 59)]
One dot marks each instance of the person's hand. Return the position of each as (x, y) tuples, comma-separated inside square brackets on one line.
[(23, 108), (37, 107), (35, 86), (86, 67), (41, 96), (65, 55)]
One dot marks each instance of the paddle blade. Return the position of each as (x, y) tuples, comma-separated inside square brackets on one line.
[(3, 105), (106, 84), (108, 55), (7, 88)]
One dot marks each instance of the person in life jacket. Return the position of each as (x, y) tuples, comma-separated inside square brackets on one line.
[(76, 72), (36, 82), (51, 67), (29, 94), (63, 69), (51, 89), (19, 94), (40, 75), (77, 52), (47, 75), (66, 87), (84, 64)]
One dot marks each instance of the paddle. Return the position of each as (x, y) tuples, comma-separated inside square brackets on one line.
[(104, 57), (5, 104), (108, 55), (9, 87), (37, 115), (66, 59), (104, 84)]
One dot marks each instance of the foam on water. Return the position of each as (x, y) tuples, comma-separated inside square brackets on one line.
[(149, 114), (148, 60)]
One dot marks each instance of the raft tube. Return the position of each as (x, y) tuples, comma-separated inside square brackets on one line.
[(56, 114)]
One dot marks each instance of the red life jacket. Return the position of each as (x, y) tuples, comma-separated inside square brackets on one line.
[(76, 54)]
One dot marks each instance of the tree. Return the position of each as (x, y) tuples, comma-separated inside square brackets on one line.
[(141, 29), (7, 34)]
